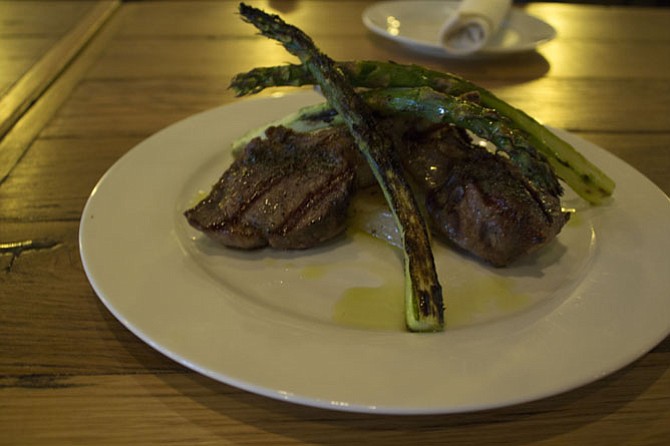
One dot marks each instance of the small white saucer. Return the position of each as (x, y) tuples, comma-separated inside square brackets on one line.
[(416, 24)]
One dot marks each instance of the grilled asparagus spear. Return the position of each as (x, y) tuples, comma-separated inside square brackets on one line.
[(582, 176), (424, 305)]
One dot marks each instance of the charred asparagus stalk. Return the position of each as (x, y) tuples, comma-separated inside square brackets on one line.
[(582, 176), (424, 305)]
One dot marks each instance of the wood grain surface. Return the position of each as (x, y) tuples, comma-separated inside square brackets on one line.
[(70, 373)]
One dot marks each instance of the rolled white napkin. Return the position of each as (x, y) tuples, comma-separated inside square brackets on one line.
[(474, 22)]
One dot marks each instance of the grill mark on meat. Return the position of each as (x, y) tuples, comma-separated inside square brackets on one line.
[(540, 197), (316, 196), (259, 192)]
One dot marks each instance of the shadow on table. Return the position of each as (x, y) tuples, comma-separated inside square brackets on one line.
[(500, 69), (521, 424)]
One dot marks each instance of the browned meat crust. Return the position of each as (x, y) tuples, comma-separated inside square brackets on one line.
[(479, 201), (292, 191), (287, 191)]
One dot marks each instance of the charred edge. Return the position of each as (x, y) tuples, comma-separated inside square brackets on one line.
[(538, 198), (562, 162), (259, 192), (426, 303), (535, 191)]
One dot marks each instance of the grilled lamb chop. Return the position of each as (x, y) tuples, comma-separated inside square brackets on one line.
[(292, 190), (477, 200), (287, 191)]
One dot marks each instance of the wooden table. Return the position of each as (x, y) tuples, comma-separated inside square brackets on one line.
[(83, 82)]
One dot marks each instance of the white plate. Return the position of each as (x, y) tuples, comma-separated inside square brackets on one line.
[(272, 322), (416, 24)]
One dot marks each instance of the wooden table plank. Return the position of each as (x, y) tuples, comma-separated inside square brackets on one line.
[(40, 326), (52, 87), (48, 171), (28, 29), (630, 24), (32, 83), (185, 408), (198, 18), (197, 55)]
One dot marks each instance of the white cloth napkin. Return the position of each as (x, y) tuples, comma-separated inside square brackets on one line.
[(468, 28)]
